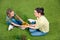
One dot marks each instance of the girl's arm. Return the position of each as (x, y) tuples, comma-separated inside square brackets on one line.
[(15, 24), (19, 18), (23, 22)]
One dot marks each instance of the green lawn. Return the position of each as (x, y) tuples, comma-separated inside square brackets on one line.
[(25, 9)]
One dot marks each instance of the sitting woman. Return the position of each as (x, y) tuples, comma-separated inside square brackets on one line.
[(42, 24)]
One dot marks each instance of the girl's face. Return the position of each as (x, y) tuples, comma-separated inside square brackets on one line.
[(36, 13), (11, 14)]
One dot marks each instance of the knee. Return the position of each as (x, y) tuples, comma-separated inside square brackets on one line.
[(31, 30)]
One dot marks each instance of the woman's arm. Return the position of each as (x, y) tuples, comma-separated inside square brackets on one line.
[(32, 26)]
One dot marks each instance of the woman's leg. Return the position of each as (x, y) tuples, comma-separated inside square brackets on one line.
[(38, 33), (32, 30)]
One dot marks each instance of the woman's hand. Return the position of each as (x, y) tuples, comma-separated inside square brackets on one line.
[(32, 25)]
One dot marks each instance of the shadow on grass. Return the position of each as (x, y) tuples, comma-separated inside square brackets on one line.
[(17, 37), (20, 37)]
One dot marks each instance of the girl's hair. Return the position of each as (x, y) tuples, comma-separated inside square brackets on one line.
[(40, 10), (9, 11)]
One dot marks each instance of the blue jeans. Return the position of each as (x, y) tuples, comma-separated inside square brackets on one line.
[(15, 21), (35, 32)]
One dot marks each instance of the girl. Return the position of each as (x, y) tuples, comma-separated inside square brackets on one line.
[(11, 19)]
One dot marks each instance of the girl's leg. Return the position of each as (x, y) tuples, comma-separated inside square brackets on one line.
[(17, 21), (8, 23), (31, 21), (10, 27)]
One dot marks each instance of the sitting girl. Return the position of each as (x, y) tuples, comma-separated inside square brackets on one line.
[(12, 21)]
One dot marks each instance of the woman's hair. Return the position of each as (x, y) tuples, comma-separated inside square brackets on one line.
[(9, 11), (40, 10)]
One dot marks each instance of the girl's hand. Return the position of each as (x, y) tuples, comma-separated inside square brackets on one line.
[(22, 27)]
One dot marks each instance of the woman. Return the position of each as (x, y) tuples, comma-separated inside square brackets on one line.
[(42, 24)]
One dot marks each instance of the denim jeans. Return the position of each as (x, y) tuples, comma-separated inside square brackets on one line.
[(15, 21), (36, 32)]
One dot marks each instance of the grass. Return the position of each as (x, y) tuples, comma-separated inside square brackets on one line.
[(25, 9)]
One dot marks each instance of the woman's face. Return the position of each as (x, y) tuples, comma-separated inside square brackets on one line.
[(12, 14), (36, 13)]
